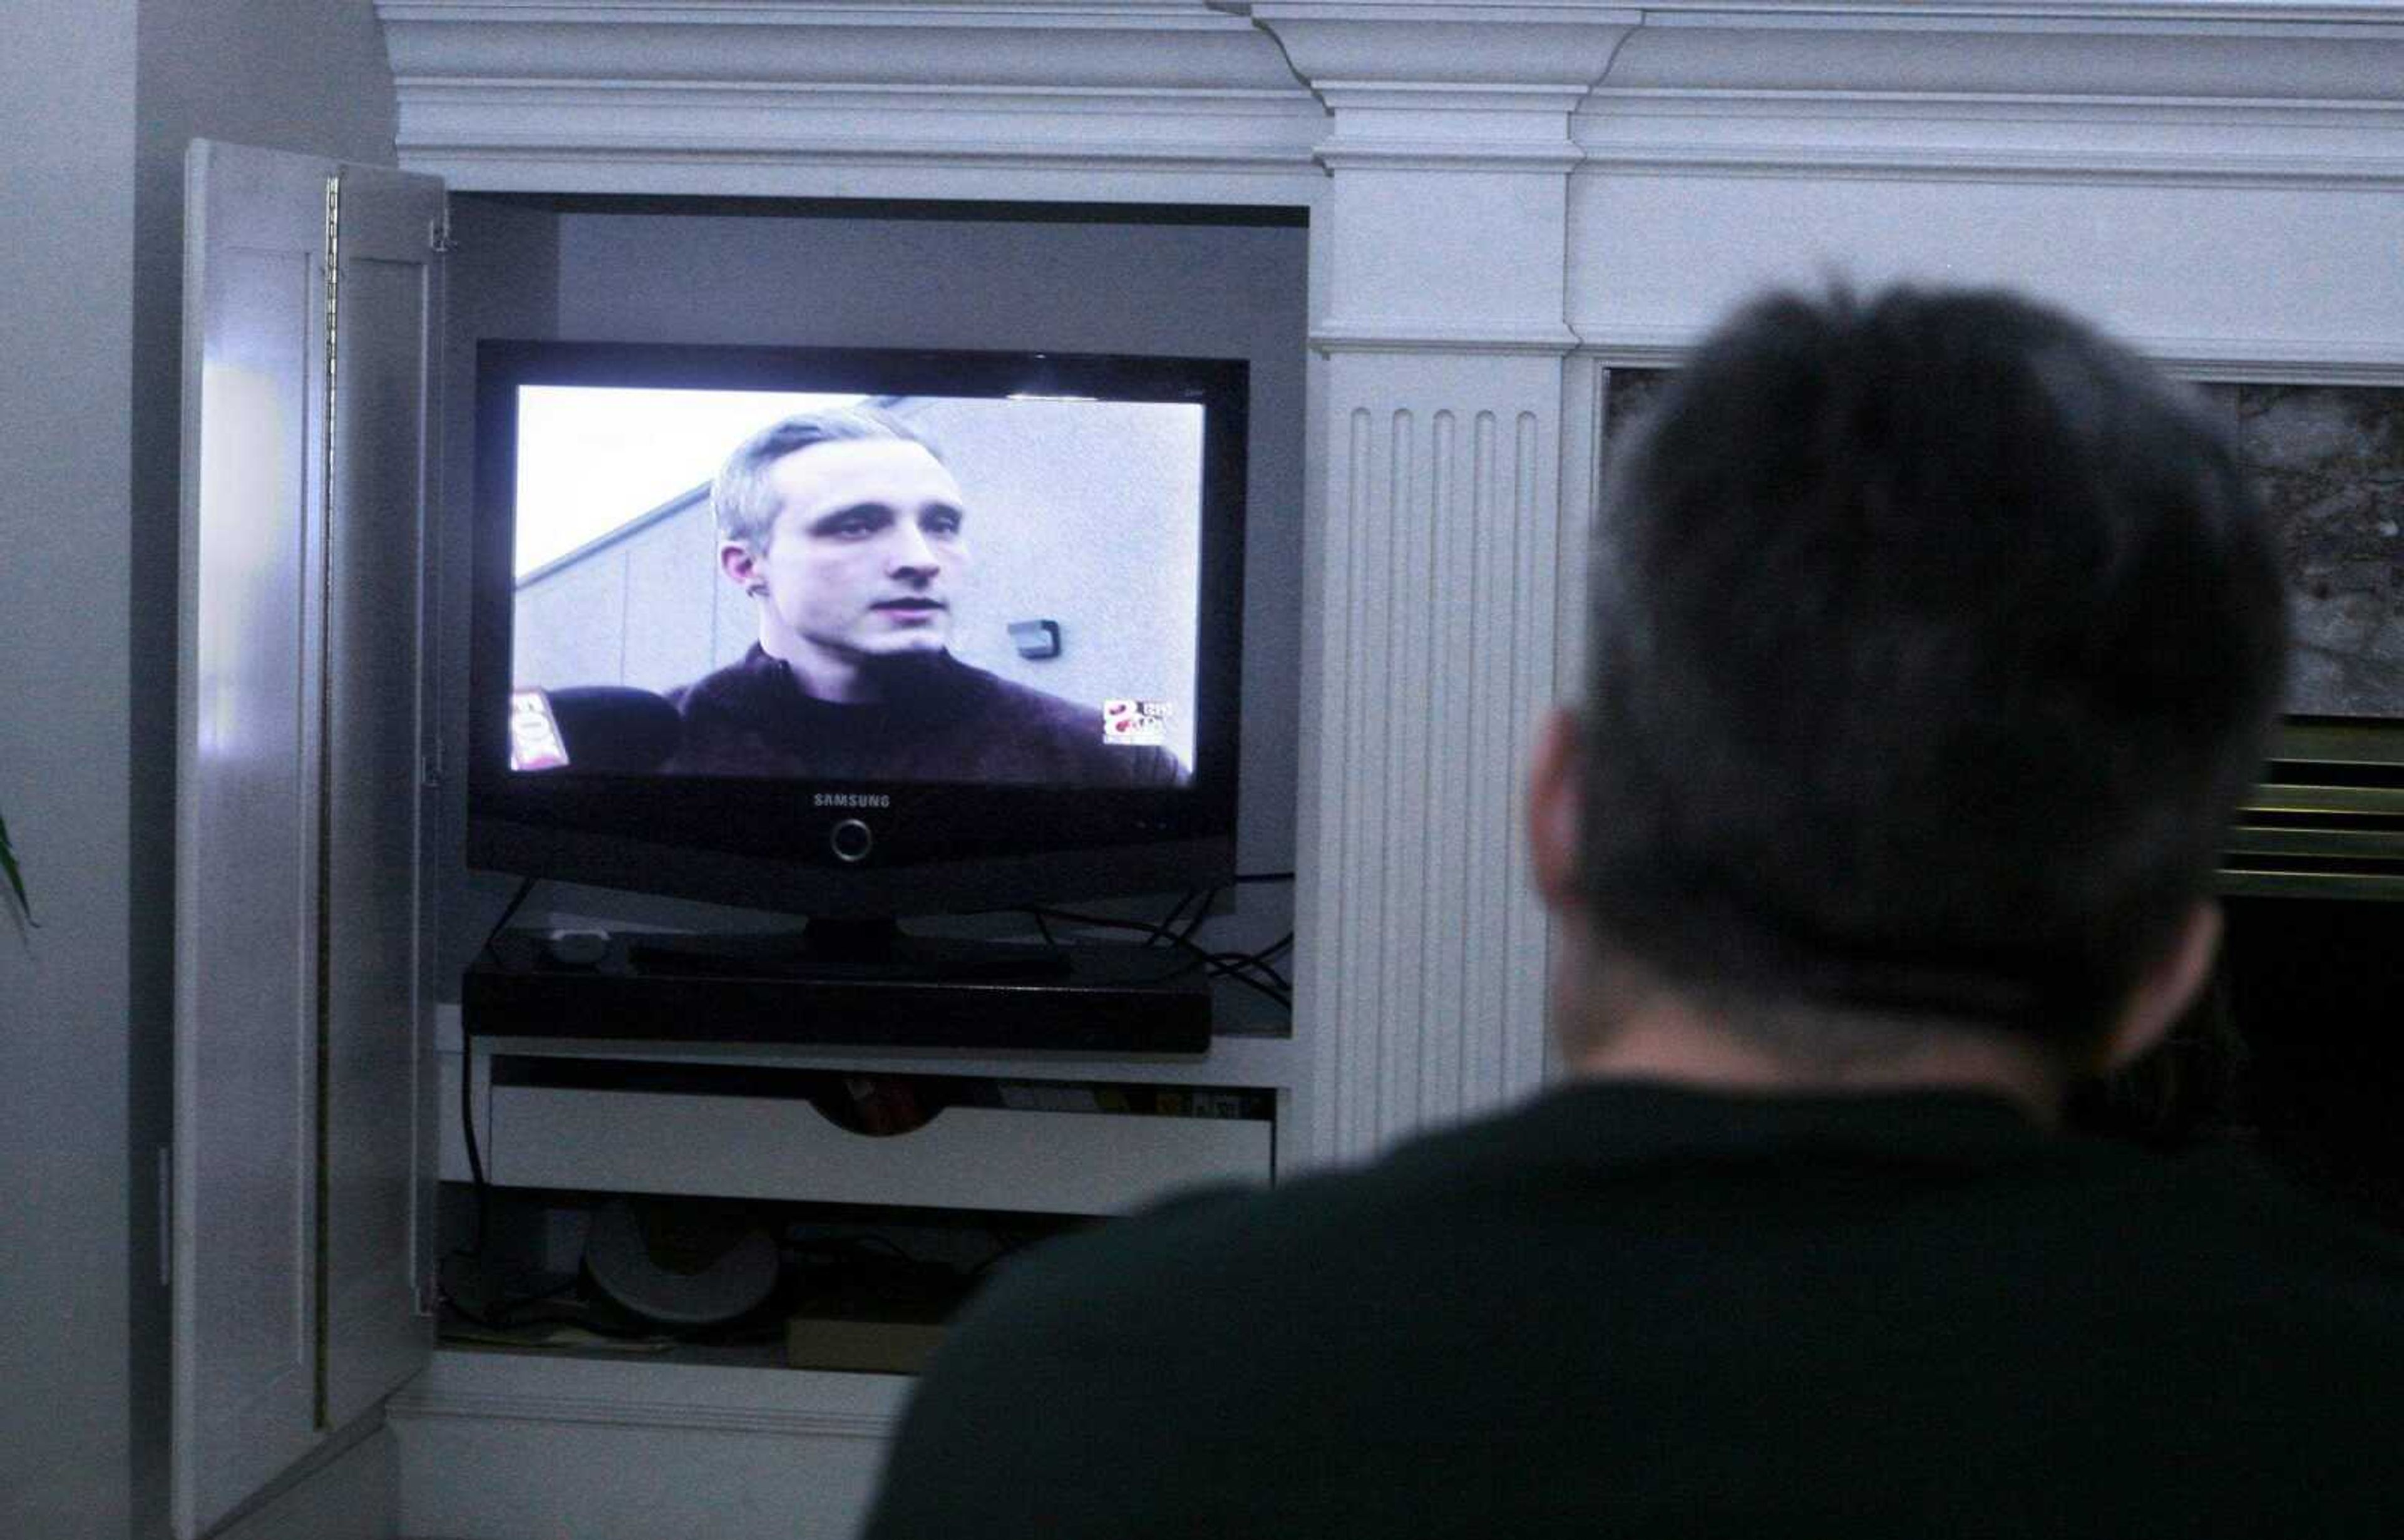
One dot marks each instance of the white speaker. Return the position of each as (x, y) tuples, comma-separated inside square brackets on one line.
[(680, 1262)]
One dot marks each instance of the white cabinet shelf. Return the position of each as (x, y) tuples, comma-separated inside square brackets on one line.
[(781, 1147), (765, 1147)]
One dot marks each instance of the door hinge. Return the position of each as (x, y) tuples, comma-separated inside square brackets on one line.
[(438, 234), (429, 768)]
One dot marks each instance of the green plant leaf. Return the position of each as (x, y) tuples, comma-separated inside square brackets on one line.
[(15, 877)]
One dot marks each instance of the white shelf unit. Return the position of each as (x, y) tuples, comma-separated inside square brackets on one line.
[(780, 1147)]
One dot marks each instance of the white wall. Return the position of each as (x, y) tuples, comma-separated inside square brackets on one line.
[(66, 319), (97, 100)]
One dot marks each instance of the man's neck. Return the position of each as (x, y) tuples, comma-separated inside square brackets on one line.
[(1668, 1040)]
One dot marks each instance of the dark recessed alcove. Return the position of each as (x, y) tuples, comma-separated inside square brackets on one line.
[(2294, 1050), (2315, 989)]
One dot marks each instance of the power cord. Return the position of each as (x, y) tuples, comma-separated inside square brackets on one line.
[(1258, 962), (1231, 965), (1250, 969), (468, 1076), (1174, 914)]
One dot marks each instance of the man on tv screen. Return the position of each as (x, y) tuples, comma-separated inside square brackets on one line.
[(852, 540)]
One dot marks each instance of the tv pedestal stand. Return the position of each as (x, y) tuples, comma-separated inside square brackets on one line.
[(852, 949), (857, 983)]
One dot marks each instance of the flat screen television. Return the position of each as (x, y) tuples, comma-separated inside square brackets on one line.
[(856, 635)]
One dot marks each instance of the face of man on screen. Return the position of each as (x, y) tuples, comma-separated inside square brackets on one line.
[(863, 562)]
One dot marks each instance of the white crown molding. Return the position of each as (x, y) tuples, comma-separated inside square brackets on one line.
[(618, 94), (2284, 361), (1844, 13), (1635, 348), (1469, 50), (1346, 153), (718, 152), (2191, 14), (1035, 15), (2246, 360), (1181, 85), (2056, 168), (1173, 46), (645, 122), (1118, 87), (2265, 141), (1451, 95), (1423, 334), (1934, 55), (2018, 105)]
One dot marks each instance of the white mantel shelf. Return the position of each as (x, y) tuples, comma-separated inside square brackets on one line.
[(519, 93)]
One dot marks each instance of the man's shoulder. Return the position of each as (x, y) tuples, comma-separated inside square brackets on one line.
[(1149, 1252), (740, 719), (734, 686), (1228, 1249), (2291, 1235), (1034, 729), (1023, 704), (1553, 1172), (1540, 1289)]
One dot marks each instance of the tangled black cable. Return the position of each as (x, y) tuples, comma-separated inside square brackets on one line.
[(1251, 969), (468, 1076), (1258, 962)]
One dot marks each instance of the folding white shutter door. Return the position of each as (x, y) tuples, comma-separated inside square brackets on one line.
[(301, 1057)]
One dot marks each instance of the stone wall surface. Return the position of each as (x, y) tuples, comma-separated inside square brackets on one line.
[(2328, 462)]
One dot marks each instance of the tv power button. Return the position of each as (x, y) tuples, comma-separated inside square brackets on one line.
[(851, 841)]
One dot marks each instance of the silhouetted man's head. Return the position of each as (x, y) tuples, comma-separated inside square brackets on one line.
[(1934, 638)]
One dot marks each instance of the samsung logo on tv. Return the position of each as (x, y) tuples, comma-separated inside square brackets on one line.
[(851, 799)]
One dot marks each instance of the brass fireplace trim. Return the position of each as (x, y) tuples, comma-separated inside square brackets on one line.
[(2328, 819)]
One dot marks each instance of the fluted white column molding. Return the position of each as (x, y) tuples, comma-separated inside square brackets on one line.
[(1447, 424), (1439, 588)]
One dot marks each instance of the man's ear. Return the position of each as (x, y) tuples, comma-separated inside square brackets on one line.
[(741, 564), (2168, 987), (1555, 809)]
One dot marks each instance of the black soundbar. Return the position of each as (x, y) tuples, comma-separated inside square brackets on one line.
[(933, 994)]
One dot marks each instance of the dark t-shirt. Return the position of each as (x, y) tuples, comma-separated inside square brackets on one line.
[(1630, 1309), (954, 722)]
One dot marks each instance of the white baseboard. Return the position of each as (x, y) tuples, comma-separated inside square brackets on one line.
[(519, 1446), (355, 1495)]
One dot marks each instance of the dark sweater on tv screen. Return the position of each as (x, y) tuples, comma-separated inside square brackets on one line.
[(1632, 1309), (955, 722)]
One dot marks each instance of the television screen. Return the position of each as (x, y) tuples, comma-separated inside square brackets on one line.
[(855, 631), (960, 588)]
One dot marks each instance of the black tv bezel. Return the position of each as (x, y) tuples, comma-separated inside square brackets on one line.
[(939, 847)]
